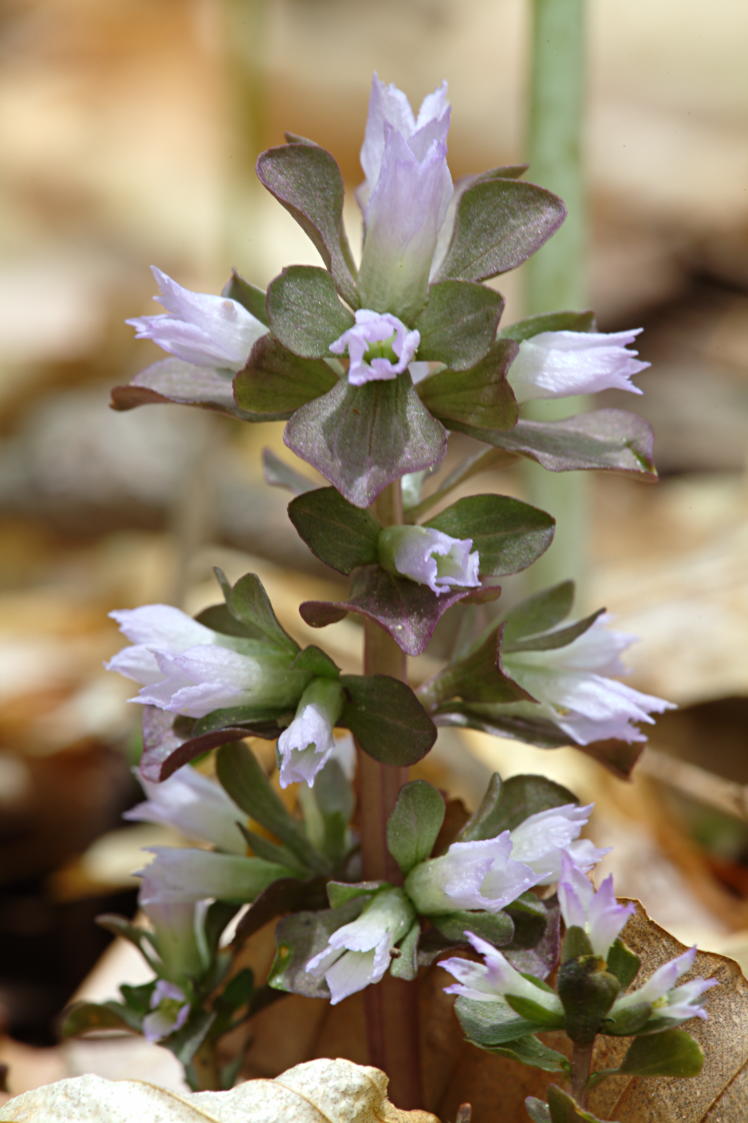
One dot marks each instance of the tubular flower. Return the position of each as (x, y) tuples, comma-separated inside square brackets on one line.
[(559, 364), (189, 669), (595, 911), (404, 198), (546, 840), (572, 687), (670, 1005), (309, 742), (494, 978), (359, 953), (471, 875), (430, 557), (195, 805), (169, 1010), (209, 336), (379, 347)]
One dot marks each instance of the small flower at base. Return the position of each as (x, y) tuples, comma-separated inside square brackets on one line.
[(494, 978), (596, 912), (170, 1008), (379, 347), (669, 1004), (309, 742), (559, 364), (574, 692), (359, 953), (429, 557), (200, 328)]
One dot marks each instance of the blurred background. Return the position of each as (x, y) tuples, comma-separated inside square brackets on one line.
[(130, 130)]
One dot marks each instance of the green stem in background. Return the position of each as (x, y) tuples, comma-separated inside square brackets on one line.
[(479, 462), (391, 1006), (554, 278)]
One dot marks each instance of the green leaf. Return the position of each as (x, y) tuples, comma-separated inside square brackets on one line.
[(248, 295), (316, 663), (537, 1110), (560, 637), (534, 1012), (539, 613), (306, 180), (530, 1051), (405, 964), (479, 677), (488, 1024), (508, 534), (506, 805), (552, 321), (278, 473), (386, 718), (245, 781), (414, 824), (361, 438), (187, 1040), (91, 1017), (118, 926), (480, 396), (499, 223), (604, 439), (301, 936), (339, 534), (670, 1053), (564, 1109), (496, 927), (623, 963), (458, 323), (276, 382), (248, 603), (305, 312), (341, 892)]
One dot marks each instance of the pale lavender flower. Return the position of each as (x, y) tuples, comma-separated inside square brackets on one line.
[(195, 805), (491, 980), (596, 912), (573, 690), (471, 875), (186, 668), (430, 557), (309, 742), (670, 1004), (559, 364), (170, 1008), (548, 838), (359, 953), (182, 875), (405, 196), (210, 338), (379, 347), (198, 327)]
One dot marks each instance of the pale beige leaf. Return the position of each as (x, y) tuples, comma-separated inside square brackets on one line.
[(322, 1091)]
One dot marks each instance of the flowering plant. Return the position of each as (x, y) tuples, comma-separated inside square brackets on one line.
[(372, 366)]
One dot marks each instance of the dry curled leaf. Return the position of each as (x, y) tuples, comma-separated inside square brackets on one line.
[(720, 1093), (322, 1091)]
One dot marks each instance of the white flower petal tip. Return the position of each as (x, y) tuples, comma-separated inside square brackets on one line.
[(309, 742), (199, 328), (595, 911), (429, 557), (379, 347), (471, 875), (556, 364), (359, 953), (574, 692)]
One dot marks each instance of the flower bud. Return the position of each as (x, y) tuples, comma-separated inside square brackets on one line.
[(429, 557)]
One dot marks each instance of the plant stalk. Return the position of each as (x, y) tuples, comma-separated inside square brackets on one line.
[(555, 277), (581, 1061), (391, 1007)]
